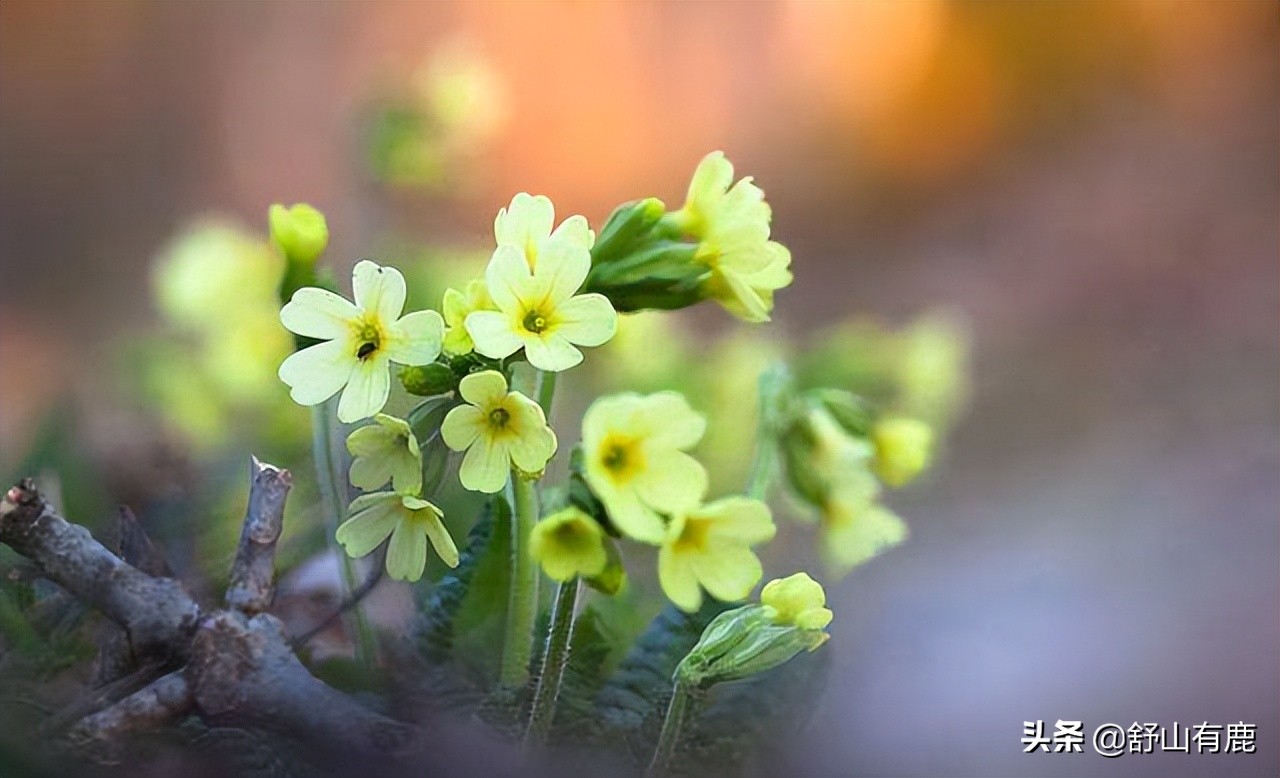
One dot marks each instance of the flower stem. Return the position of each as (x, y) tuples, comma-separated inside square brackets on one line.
[(683, 697), (522, 605), (546, 391), (554, 657), (773, 385), (333, 491)]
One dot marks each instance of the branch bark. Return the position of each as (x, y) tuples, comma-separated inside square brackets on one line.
[(252, 586)]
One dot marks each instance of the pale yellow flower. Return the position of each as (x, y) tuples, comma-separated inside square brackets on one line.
[(385, 451), (361, 341), (567, 544), (538, 309), (498, 430), (409, 521), (855, 531), (731, 223), (457, 306), (526, 224), (635, 461), (710, 548), (798, 600), (904, 448)]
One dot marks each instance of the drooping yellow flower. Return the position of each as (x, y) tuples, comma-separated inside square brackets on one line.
[(569, 543), (797, 600), (361, 341), (854, 531), (539, 310), (498, 430), (526, 224), (710, 548), (457, 306), (903, 449), (731, 223), (410, 521), (386, 450), (635, 462)]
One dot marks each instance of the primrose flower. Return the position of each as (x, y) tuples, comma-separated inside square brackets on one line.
[(731, 223), (410, 521), (457, 306), (538, 309), (635, 461), (361, 341), (710, 548), (498, 430), (569, 543), (526, 224), (855, 531), (903, 449), (797, 600), (385, 451)]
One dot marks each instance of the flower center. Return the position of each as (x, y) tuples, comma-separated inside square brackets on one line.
[(622, 458), (498, 417), (535, 322), (693, 537), (369, 336)]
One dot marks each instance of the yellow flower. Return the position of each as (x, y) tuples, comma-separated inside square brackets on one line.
[(498, 430), (385, 451), (299, 230), (798, 600), (903, 449), (410, 522), (710, 548), (569, 543), (731, 223), (457, 305), (635, 461), (538, 309), (526, 225), (361, 341), (855, 531)]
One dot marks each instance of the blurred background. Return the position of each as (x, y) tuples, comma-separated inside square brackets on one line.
[(1090, 190)]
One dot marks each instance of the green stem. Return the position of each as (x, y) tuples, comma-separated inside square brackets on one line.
[(546, 391), (554, 657), (522, 605), (332, 484), (683, 697), (773, 385)]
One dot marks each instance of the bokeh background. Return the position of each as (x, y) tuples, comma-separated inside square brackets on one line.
[(1092, 188)]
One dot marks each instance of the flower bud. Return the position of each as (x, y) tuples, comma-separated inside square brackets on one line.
[(798, 600), (428, 380), (849, 411), (627, 224), (568, 544), (300, 232), (903, 449)]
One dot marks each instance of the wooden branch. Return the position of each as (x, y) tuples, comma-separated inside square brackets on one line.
[(164, 701), (252, 586)]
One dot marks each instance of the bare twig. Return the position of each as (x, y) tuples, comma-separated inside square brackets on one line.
[(363, 590), (164, 701), (252, 585), (115, 657), (103, 697), (157, 614)]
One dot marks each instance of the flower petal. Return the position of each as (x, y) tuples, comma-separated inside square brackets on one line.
[(533, 449), (575, 230), (710, 181), (562, 268), (672, 481), (485, 467), (670, 421), (483, 389), (415, 339), (739, 519), (525, 222), (551, 352), (318, 313), (378, 289), (462, 426), (441, 540), (632, 517), (493, 334), (507, 276), (369, 473), (729, 572), (407, 552), (369, 440), (366, 530), (316, 373), (678, 581), (366, 391), (588, 319)]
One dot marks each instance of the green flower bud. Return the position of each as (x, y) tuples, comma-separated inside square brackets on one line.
[(850, 411), (300, 232), (746, 641), (428, 380), (627, 224)]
